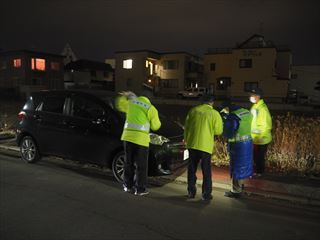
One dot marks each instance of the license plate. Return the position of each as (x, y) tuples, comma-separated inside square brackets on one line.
[(185, 155)]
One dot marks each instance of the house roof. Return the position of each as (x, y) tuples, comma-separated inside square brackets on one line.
[(158, 53), (84, 64), (255, 41), (30, 52)]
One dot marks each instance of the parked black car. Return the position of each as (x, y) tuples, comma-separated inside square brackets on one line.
[(86, 127)]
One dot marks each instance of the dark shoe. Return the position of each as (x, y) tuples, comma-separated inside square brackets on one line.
[(207, 198), (232, 194), (191, 195), (141, 193), (128, 190)]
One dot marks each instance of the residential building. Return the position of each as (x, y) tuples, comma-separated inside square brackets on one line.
[(150, 72), (254, 63), (89, 74), (303, 81), (24, 71)]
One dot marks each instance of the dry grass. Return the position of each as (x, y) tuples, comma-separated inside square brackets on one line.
[(295, 146)]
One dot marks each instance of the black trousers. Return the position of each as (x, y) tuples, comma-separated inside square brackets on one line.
[(259, 157), (195, 157), (136, 166)]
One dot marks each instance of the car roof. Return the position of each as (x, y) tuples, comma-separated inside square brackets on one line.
[(98, 93)]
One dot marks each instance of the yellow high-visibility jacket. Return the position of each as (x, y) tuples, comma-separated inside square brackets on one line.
[(201, 125), (261, 123), (141, 116)]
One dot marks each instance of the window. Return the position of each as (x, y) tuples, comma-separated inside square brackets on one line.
[(171, 64), (55, 66), (245, 63), (248, 86), (212, 67), (17, 63), (53, 104), (294, 76), (87, 108), (169, 83), (38, 64), (223, 83), (127, 64)]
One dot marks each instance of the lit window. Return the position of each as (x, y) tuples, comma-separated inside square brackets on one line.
[(127, 64), (17, 63), (147, 63), (38, 64), (55, 66), (151, 68)]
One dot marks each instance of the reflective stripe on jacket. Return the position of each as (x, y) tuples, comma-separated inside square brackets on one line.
[(261, 124), (141, 116), (201, 125), (243, 132), (240, 144)]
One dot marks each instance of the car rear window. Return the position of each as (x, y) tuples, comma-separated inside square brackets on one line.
[(53, 104)]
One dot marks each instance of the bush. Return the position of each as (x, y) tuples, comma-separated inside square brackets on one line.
[(295, 146)]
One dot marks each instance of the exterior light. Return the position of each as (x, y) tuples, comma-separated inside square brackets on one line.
[(149, 80)]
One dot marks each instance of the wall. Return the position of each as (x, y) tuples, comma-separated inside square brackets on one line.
[(304, 79)]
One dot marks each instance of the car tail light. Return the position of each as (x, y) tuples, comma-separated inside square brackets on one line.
[(22, 115)]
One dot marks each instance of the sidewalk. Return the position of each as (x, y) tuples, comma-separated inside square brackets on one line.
[(271, 185)]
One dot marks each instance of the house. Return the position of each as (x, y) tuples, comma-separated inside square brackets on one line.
[(304, 80), (232, 72), (24, 71), (150, 72), (89, 74)]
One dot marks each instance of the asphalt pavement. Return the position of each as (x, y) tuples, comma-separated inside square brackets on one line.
[(57, 199)]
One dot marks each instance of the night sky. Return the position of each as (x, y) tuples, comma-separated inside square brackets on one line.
[(96, 29)]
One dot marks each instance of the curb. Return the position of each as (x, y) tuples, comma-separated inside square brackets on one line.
[(281, 191), (12, 148), (310, 197)]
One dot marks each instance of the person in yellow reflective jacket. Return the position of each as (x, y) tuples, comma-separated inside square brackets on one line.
[(141, 116), (201, 125), (260, 129)]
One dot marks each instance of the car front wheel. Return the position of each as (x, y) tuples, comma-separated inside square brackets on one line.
[(29, 150), (118, 166)]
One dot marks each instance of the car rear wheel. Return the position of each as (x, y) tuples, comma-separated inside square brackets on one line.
[(29, 150), (118, 166)]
